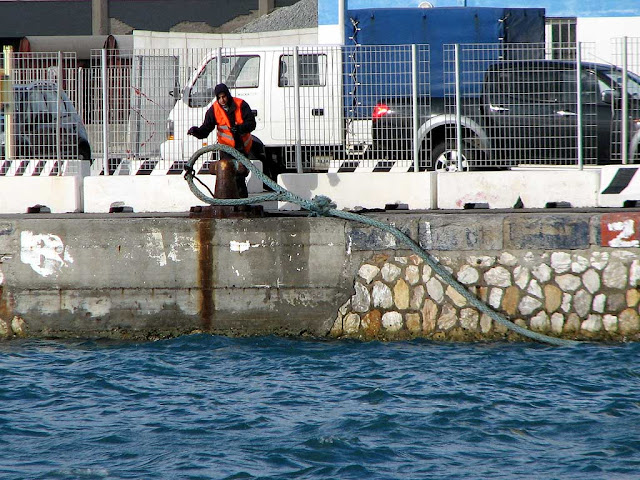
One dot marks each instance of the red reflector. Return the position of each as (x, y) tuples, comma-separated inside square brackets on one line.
[(380, 110)]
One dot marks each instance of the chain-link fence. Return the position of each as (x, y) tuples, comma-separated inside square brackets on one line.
[(325, 108)]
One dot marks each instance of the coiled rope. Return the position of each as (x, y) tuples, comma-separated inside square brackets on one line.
[(322, 206)]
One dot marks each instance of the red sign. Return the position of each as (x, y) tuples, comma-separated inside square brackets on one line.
[(620, 230)]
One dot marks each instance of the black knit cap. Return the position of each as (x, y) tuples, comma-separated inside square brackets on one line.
[(222, 88)]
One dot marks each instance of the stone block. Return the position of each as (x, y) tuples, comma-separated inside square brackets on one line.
[(372, 323), (363, 238), (443, 233), (546, 232)]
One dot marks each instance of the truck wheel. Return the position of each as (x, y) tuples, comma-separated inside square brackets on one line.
[(446, 160)]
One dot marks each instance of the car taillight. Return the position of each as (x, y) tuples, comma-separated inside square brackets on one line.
[(380, 110), (170, 130)]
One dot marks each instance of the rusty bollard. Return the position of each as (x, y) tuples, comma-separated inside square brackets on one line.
[(227, 188)]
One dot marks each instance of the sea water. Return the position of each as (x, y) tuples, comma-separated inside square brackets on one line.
[(207, 407)]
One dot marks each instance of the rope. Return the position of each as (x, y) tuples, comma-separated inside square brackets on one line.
[(322, 206)]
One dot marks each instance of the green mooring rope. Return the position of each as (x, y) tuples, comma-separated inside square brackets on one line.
[(322, 206)]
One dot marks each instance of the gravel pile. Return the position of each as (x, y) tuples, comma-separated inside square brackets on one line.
[(303, 14)]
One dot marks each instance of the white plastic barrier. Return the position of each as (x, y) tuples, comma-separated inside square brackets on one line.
[(363, 190), (535, 188), (60, 194), (619, 184), (150, 193)]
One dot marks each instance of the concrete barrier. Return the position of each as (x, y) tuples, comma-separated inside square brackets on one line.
[(61, 194), (150, 193), (521, 188), (364, 190), (619, 184), (168, 193)]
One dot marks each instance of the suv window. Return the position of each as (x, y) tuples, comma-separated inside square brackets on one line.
[(523, 87), (542, 86)]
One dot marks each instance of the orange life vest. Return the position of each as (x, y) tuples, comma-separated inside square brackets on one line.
[(225, 137)]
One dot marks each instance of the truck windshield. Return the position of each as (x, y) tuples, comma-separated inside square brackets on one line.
[(238, 71)]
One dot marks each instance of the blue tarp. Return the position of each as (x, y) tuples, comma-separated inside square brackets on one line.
[(433, 26)]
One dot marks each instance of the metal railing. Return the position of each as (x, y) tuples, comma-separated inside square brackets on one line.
[(330, 108)]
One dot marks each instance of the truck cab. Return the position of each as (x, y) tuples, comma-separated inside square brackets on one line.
[(266, 80)]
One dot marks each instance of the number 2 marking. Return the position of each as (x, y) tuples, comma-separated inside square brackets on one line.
[(626, 231)]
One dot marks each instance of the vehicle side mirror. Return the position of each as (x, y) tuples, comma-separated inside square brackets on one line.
[(610, 96), (175, 93)]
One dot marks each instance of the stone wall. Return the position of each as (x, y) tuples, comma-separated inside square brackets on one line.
[(571, 274), (586, 294)]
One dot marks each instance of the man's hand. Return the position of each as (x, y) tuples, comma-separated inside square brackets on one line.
[(192, 131)]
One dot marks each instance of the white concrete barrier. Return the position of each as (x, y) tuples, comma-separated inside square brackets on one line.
[(533, 188), (143, 193), (61, 194), (365, 190), (619, 184), (150, 193)]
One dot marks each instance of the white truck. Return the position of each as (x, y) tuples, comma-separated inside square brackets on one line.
[(265, 79)]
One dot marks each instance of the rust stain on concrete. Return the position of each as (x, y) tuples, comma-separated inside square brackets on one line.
[(205, 272)]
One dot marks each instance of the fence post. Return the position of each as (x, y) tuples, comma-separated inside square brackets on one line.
[(579, 102), (342, 5), (458, 112), (219, 67), (296, 106), (59, 111), (80, 89), (414, 101), (105, 114), (624, 121), (9, 146)]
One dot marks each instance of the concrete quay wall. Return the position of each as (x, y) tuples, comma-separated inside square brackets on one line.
[(566, 273)]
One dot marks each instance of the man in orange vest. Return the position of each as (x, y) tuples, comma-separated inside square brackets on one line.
[(235, 122)]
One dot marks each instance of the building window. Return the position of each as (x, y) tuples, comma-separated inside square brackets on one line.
[(561, 38)]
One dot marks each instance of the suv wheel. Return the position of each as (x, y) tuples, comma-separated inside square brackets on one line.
[(446, 160)]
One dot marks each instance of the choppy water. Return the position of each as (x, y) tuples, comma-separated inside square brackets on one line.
[(203, 407)]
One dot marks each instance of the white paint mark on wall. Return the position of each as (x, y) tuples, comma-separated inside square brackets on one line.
[(244, 246), (45, 253), (155, 247), (180, 243), (239, 246)]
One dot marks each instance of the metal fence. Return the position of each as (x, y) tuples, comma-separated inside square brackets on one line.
[(350, 108), (513, 104), (39, 127), (624, 147)]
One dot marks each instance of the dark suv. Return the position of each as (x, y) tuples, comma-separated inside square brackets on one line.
[(36, 129), (522, 111)]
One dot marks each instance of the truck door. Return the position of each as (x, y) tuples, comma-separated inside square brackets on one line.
[(531, 114), (597, 117)]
